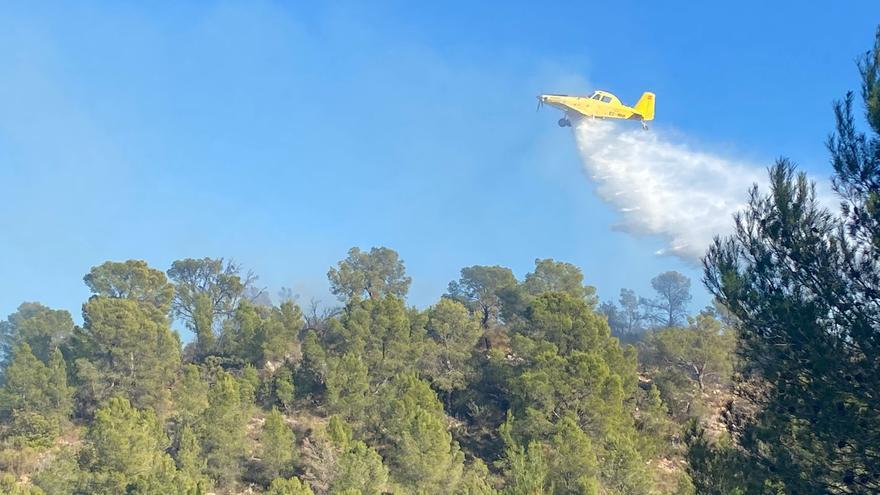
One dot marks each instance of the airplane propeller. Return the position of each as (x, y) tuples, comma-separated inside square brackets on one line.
[(540, 103)]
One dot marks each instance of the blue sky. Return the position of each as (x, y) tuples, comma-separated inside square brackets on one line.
[(282, 134)]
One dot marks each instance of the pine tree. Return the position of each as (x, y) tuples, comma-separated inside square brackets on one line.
[(475, 480), (479, 288), (190, 395), (188, 455), (360, 467), (311, 375), (124, 452), (248, 384), (9, 486), (570, 367), (221, 431), (133, 280), (278, 338), (348, 388), (239, 337), (278, 449), (35, 398), (60, 394), (292, 486), (202, 325), (381, 333), (454, 335), (284, 389), (420, 452), (42, 328), (803, 285), (61, 475), (559, 276), (26, 382), (573, 465), (125, 348), (375, 274), (526, 470), (656, 427)]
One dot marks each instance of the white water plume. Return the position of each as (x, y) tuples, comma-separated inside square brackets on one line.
[(662, 188)]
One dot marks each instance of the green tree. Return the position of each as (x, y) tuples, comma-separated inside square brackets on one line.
[(525, 468), (132, 279), (221, 431), (206, 293), (239, 337), (478, 288), (475, 480), (9, 486), (420, 452), (573, 467), (61, 475), (123, 349), (190, 395), (292, 486), (202, 324), (558, 276), (124, 452), (259, 334), (311, 375), (283, 388), (669, 308), (454, 335), (25, 383), (248, 384), (34, 398), (360, 467), (339, 432), (626, 320), (60, 394), (279, 336), (41, 328), (717, 466), (188, 456), (278, 449), (348, 388), (213, 279), (803, 287), (684, 361), (375, 274), (657, 428), (568, 366), (382, 332)]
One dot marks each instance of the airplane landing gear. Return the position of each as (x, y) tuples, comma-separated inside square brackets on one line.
[(563, 122)]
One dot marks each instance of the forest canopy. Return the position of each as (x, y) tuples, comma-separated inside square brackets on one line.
[(507, 386)]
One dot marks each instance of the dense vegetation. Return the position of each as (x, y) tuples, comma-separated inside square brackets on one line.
[(502, 385), (507, 386)]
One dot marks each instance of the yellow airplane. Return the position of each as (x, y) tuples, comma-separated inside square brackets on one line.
[(602, 105)]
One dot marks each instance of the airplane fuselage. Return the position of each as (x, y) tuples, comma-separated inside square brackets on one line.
[(600, 104), (589, 107)]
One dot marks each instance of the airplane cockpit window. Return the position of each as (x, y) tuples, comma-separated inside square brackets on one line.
[(606, 99), (596, 96)]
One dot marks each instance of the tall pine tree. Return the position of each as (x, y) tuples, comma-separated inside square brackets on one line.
[(804, 286)]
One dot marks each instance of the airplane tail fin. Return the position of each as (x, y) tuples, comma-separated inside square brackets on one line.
[(645, 106)]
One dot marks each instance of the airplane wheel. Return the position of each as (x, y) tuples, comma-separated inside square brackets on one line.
[(563, 123)]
